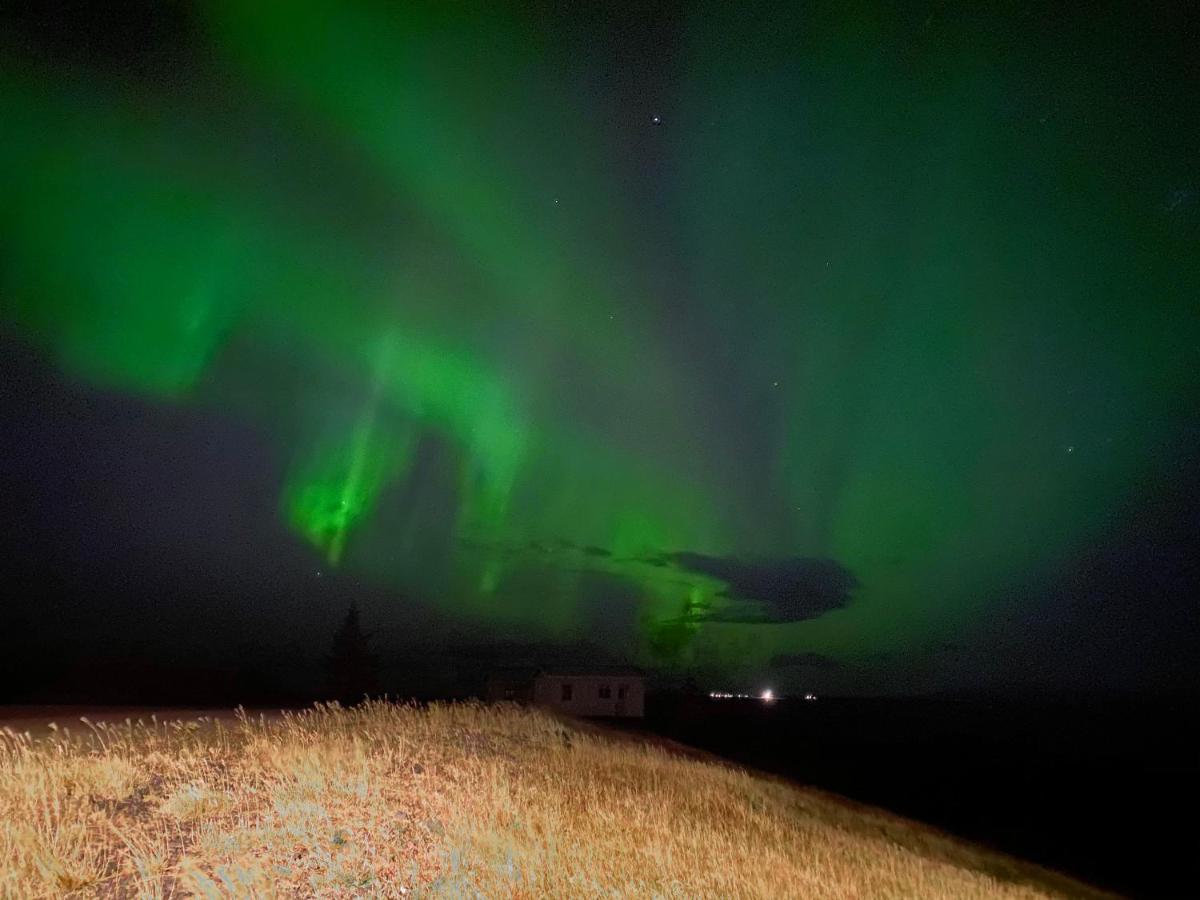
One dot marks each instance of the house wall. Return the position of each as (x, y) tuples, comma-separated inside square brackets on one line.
[(585, 694)]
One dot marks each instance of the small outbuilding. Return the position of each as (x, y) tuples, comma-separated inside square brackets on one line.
[(514, 685)]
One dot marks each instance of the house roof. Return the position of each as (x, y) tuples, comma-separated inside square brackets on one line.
[(509, 672), (593, 671)]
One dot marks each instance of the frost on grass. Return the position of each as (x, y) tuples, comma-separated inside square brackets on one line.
[(450, 800)]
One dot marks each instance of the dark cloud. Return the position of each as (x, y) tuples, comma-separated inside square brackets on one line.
[(807, 660), (772, 590)]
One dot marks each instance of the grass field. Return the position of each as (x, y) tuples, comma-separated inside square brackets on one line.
[(446, 801)]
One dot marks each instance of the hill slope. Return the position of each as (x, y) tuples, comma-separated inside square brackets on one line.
[(459, 800)]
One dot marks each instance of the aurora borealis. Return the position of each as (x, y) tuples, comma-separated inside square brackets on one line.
[(803, 335)]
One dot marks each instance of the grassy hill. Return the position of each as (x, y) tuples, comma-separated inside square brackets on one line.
[(450, 800)]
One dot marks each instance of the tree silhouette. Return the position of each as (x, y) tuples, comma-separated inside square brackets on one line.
[(352, 666)]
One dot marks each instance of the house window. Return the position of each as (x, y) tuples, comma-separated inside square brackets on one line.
[(566, 693), (622, 690), (605, 692)]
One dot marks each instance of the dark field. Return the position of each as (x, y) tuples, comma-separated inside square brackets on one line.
[(1104, 792)]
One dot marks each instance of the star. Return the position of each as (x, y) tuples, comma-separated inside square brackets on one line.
[(657, 120), (1071, 448)]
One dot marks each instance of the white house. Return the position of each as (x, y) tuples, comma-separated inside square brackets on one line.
[(597, 691)]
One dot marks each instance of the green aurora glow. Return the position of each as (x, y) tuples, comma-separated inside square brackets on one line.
[(873, 290)]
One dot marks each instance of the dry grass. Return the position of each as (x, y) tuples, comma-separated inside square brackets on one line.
[(456, 801)]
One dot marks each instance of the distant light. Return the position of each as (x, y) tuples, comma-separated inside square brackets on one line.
[(657, 120), (810, 696), (768, 695)]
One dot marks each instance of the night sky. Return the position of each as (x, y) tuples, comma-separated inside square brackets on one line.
[(852, 348)]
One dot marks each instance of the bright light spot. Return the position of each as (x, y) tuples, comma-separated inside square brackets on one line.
[(810, 696), (768, 695)]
